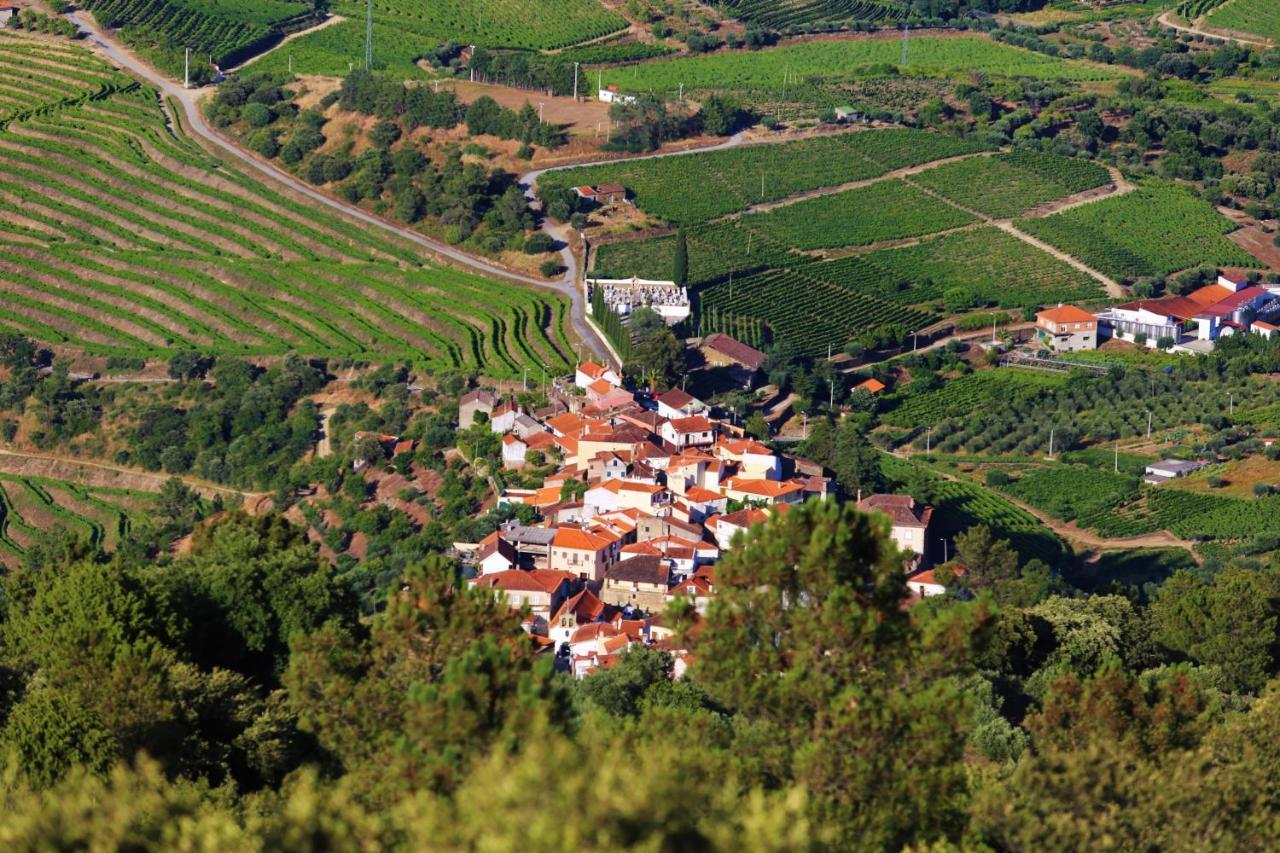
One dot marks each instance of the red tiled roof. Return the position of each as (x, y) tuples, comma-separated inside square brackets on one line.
[(1065, 314), (902, 510), (697, 423), (748, 357)]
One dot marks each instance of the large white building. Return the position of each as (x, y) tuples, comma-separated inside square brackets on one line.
[(1196, 320)]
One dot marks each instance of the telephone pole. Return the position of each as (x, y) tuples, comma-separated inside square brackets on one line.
[(368, 35), (186, 69), (1051, 443), (906, 38), (575, 82)]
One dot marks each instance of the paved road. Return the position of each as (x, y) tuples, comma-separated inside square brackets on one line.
[(190, 101)]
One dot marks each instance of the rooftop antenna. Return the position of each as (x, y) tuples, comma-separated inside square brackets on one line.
[(368, 35), (906, 38)]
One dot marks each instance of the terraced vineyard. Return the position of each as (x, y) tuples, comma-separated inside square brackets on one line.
[(1075, 492), (1128, 236), (965, 395), (831, 61), (100, 516), (1258, 17), (1009, 184), (886, 210), (122, 237), (694, 188)]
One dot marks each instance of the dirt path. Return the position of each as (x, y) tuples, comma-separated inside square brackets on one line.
[(1166, 20), (110, 476), (1113, 287), (324, 447), (1119, 186), (854, 185), (327, 22)]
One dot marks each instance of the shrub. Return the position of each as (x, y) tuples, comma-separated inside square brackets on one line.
[(258, 115), (536, 244), (997, 478), (550, 269), (1217, 482), (1261, 489)]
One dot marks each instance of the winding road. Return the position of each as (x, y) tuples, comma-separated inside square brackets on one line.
[(113, 51), (1167, 20)]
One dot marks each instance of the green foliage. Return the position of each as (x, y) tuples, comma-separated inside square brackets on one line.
[(1009, 184)]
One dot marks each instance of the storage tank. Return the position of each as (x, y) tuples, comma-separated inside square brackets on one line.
[(1243, 316)]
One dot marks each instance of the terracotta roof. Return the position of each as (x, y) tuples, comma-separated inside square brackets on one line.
[(928, 576), (592, 631), (584, 606), (610, 188), (701, 495), (591, 369), (600, 386), (479, 396), (697, 423), (676, 398), (872, 386), (566, 424), (616, 486), (642, 569), (519, 580), (1065, 314), (902, 510), (1264, 325), (764, 488), (581, 540), (748, 357)]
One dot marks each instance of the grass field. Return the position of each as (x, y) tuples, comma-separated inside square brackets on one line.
[(774, 68), (1260, 17), (100, 516), (694, 188), (1129, 236), (118, 236), (1009, 184)]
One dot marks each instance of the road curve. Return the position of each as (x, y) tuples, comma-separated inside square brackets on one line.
[(1166, 20), (190, 101)]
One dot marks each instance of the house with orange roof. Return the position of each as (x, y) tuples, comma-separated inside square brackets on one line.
[(767, 491), (613, 495), (540, 590), (755, 461), (677, 403), (871, 385), (929, 582), (588, 372), (495, 554), (1067, 329), (585, 553), (582, 608), (565, 423), (608, 465), (1264, 329), (695, 431), (693, 469), (725, 527), (698, 589), (702, 502)]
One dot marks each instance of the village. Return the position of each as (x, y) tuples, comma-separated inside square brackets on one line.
[(653, 490)]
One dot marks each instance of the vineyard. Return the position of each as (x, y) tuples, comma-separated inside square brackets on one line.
[(224, 34), (1075, 492), (886, 210), (1128, 236), (695, 188), (1247, 16), (775, 68), (493, 23), (959, 505), (799, 15), (1009, 184), (993, 266), (99, 516), (121, 238), (810, 313), (983, 391)]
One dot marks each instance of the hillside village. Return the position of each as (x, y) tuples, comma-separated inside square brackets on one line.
[(652, 490)]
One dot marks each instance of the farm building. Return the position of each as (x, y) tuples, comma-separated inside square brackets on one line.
[(871, 386), (7, 12), (1170, 469), (625, 295), (1196, 320), (743, 361), (1067, 329)]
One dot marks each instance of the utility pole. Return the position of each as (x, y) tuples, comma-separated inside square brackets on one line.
[(832, 403), (575, 81), (682, 93), (291, 63), (368, 35), (186, 69), (944, 548), (804, 417), (525, 382), (993, 328), (1231, 397), (913, 340), (1116, 466), (928, 440), (1050, 442), (906, 38), (540, 106), (1148, 424)]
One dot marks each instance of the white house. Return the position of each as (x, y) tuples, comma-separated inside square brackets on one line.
[(679, 404), (909, 521), (589, 372), (513, 451), (696, 431)]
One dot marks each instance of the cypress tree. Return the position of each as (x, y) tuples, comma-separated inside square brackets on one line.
[(680, 264)]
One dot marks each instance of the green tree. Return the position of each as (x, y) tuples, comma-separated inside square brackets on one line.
[(50, 733), (990, 561), (807, 638)]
